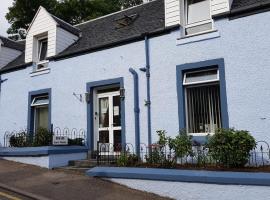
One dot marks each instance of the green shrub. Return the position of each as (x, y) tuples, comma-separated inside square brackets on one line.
[(230, 147), (42, 137), (76, 141), (19, 140), (181, 144), (127, 160)]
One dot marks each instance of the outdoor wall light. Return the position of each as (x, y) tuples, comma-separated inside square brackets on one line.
[(122, 93), (87, 97)]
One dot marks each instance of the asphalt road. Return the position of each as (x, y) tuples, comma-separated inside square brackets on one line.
[(58, 185), (8, 195)]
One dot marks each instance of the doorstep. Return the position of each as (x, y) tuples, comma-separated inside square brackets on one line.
[(195, 176)]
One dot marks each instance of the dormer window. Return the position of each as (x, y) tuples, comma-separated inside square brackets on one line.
[(42, 49), (197, 17)]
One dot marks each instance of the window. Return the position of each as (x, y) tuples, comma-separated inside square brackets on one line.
[(202, 101), (40, 106), (197, 16), (42, 49)]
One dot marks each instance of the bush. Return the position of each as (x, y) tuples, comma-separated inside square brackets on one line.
[(127, 160), (182, 144), (76, 141), (230, 147), (42, 137), (19, 140)]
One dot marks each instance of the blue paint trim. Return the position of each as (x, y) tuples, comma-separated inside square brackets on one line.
[(90, 109), (197, 176), (136, 110), (41, 151), (147, 59), (30, 117), (181, 69)]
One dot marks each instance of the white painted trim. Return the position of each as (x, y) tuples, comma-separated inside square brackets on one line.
[(40, 72)]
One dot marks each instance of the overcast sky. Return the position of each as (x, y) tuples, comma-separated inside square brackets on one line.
[(4, 25)]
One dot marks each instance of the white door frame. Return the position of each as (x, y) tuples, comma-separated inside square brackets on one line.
[(111, 128)]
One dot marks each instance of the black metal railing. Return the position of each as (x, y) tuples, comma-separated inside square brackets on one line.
[(43, 137), (162, 156)]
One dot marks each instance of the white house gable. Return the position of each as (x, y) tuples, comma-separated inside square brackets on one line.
[(42, 26), (176, 11), (46, 37)]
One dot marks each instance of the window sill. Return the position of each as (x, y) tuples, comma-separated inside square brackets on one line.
[(198, 37), (200, 134), (40, 72)]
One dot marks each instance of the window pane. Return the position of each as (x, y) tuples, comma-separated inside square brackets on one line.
[(198, 28), (203, 109), (201, 76), (103, 112), (40, 101), (42, 117), (198, 10), (43, 49), (117, 138), (116, 111), (104, 137)]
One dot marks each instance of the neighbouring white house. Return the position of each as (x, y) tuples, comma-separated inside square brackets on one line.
[(166, 64)]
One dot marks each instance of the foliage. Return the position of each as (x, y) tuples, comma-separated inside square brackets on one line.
[(22, 12), (76, 141), (42, 137), (19, 140), (181, 144), (126, 160), (230, 147)]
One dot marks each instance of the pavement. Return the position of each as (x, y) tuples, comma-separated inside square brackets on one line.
[(54, 184)]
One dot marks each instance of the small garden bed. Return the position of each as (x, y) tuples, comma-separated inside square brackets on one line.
[(226, 150)]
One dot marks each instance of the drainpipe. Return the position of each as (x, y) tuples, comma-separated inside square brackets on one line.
[(136, 110), (148, 100)]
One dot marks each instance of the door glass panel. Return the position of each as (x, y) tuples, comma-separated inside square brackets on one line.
[(117, 138), (42, 117), (104, 137), (103, 112), (116, 111)]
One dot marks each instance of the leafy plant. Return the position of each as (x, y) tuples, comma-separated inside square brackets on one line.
[(19, 140), (182, 144), (76, 141), (42, 137), (230, 147), (126, 160)]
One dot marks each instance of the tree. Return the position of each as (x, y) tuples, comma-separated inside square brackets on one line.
[(130, 3), (21, 12)]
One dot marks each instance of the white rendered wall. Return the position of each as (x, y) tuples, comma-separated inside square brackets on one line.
[(243, 43)]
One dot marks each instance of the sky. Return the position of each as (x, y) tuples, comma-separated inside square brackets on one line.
[(4, 25)]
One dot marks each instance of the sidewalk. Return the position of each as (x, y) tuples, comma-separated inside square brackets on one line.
[(59, 185)]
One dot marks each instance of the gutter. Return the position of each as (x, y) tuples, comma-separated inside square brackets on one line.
[(148, 92), (136, 110), (245, 10)]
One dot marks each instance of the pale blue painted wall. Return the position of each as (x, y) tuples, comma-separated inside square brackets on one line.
[(243, 43)]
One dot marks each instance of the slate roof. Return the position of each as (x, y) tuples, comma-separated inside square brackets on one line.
[(66, 26), (244, 4), (11, 44), (104, 32)]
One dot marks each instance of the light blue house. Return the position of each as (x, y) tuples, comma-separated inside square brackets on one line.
[(166, 64)]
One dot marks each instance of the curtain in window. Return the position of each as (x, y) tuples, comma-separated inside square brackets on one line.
[(42, 117), (203, 108), (197, 11), (103, 112)]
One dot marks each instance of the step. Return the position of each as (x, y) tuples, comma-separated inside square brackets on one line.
[(89, 163), (73, 169)]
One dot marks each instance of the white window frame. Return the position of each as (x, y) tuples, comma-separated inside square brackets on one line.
[(185, 21), (33, 104), (198, 84), (39, 42), (40, 105)]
